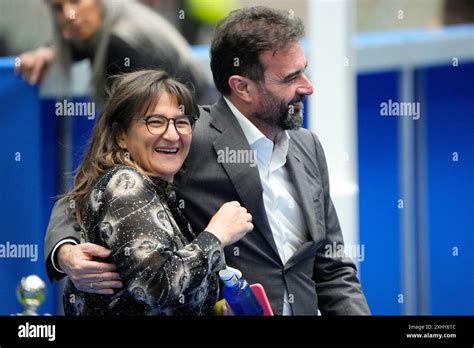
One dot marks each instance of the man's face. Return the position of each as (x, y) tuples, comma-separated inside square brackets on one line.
[(280, 95), (79, 19)]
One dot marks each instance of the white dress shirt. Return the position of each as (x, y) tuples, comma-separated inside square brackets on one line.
[(284, 213), (53, 253)]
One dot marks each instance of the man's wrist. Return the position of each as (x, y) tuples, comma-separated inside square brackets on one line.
[(54, 253)]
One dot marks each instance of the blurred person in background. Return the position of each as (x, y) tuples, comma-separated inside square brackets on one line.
[(116, 36)]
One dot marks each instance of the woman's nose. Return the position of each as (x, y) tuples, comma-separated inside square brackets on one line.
[(171, 134)]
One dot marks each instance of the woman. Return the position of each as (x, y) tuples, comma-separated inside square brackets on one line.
[(116, 36), (125, 202)]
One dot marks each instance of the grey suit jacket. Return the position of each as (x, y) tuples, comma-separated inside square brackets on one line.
[(312, 279)]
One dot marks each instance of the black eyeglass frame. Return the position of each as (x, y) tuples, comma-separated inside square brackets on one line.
[(191, 118)]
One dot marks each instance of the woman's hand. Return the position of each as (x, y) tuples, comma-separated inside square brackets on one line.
[(231, 223), (34, 65)]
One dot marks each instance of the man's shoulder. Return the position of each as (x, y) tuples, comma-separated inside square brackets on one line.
[(307, 144), (303, 137), (205, 113), (204, 130), (205, 109)]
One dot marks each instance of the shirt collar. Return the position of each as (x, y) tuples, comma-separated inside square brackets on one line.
[(253, 134)]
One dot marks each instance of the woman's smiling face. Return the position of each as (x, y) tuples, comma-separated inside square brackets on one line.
[(162, 155)]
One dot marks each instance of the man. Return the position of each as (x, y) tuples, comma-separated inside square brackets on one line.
[(249, 147), (116, 37)]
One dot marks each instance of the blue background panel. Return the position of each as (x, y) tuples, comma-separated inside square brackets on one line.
[(22, 194), (448, 95), (81, 129), (379, 192)]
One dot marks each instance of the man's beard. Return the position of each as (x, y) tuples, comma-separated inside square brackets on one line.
[(278, 113)]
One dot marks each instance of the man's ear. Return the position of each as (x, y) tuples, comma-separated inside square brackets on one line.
[(241, 87)]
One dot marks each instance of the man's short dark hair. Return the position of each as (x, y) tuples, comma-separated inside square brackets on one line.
[(243, 35)]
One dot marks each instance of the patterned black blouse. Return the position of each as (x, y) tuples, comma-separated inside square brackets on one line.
[(165, 268)]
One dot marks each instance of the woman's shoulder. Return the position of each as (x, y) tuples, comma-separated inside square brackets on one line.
[(118, 187), (123, 178)]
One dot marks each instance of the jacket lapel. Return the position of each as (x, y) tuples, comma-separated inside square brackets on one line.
[(244, 177), (299, 178)]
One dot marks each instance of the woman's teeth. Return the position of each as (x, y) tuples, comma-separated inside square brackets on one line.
[(166, 150)]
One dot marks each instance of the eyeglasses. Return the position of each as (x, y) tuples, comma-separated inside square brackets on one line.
[(158, 124)]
